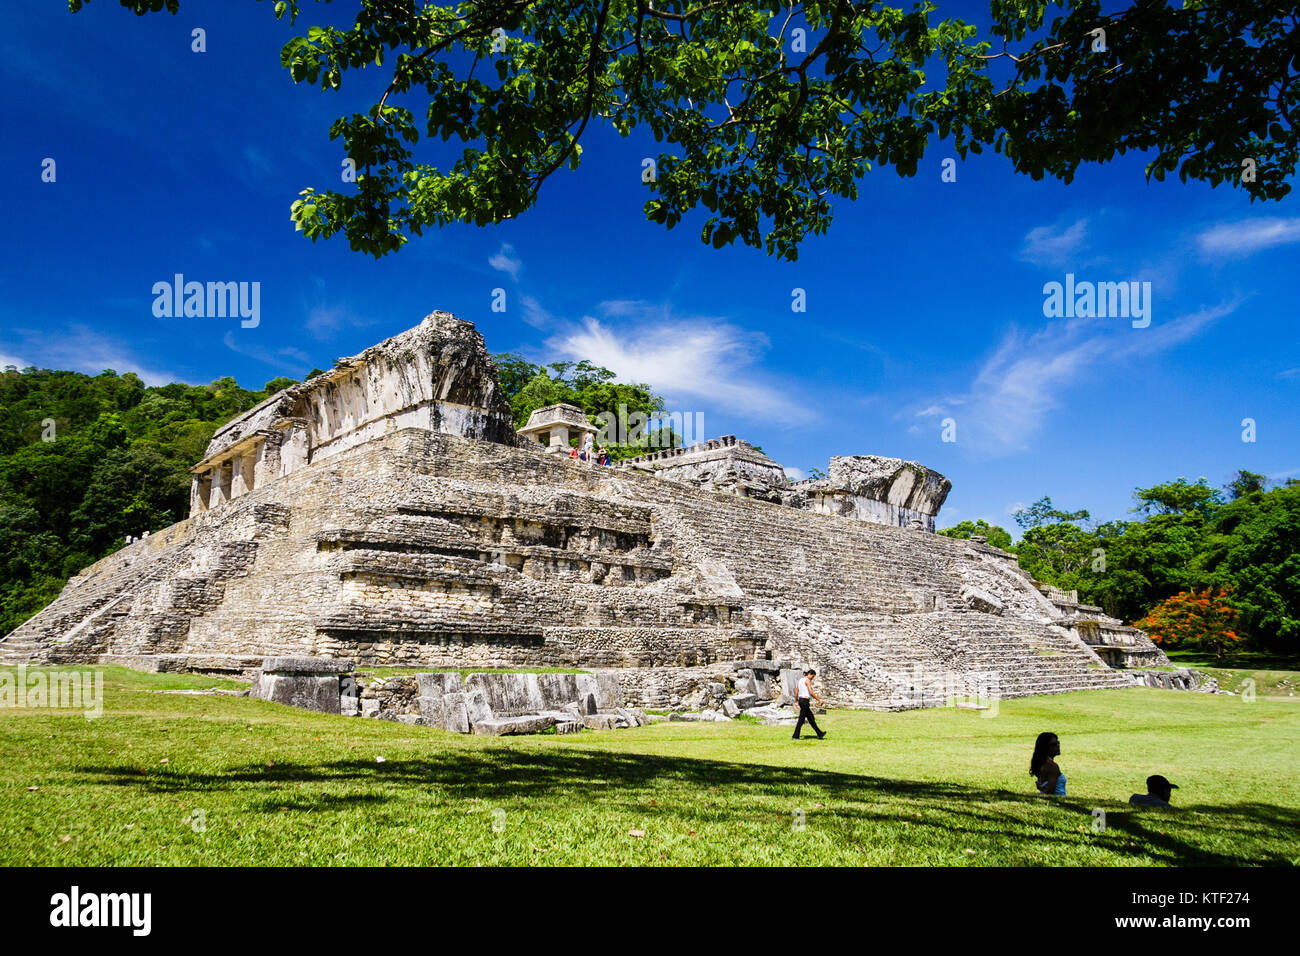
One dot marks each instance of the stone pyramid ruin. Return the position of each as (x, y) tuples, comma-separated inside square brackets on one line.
[(387, 513)]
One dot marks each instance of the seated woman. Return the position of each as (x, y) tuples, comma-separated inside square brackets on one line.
[(1050, 780)]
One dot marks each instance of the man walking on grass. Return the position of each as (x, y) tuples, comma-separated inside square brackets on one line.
[(805, 696)]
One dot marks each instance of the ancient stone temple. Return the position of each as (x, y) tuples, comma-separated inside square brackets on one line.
[(387, 513)]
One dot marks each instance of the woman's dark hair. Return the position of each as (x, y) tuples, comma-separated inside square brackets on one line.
[(1041, 756)]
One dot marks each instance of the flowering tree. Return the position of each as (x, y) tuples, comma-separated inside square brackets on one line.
[(1199, 620)]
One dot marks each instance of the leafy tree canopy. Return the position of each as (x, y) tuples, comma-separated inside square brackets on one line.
[(86, 460), (766, 110), (996, 536), (529, 387)]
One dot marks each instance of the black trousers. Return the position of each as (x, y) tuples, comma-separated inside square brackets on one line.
[(805, 713)]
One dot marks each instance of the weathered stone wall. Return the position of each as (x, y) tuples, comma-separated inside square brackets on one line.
[(437, 376)]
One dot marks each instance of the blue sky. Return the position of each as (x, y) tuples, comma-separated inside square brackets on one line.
[(924, 301)]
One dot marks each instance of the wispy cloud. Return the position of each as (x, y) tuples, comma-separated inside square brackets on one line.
[(1026, 377), (82, 349), (1052, 245), (1248, 236), (507, 261), (289, 360), (323, 321), (693, 359), (534, 313)]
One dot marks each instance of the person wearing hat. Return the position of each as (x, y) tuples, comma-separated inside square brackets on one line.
[(1159, 790)]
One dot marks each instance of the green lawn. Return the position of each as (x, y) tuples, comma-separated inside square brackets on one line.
[(938, 787), (1272, 676)]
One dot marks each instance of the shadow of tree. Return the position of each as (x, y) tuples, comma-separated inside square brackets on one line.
[(855, 804)]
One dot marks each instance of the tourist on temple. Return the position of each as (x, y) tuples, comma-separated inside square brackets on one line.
[(1050, 780)]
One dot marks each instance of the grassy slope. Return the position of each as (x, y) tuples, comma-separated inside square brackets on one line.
[(937, 787)]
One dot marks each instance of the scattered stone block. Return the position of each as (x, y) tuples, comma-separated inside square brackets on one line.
[(441, 684), (320, 694), (980, 600), (477, 707), (509, 726), (307, 665)]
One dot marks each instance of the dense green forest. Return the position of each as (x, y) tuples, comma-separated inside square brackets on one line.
[(86, 460), (1230, 555)]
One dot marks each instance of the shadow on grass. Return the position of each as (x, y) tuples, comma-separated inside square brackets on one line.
[(856, 804)]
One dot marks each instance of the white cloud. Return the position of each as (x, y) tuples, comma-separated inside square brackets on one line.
[(1052, 246), (688, 360), (82, 349), (507, 261), (323, 321), (7, 360), (1026, 377), (1248, 236), (534, 313), (289, 360), (794, 474)]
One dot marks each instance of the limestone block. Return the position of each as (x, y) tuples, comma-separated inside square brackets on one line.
[(506, 726), (744, 701), (348, 706), (306, 665), (508, 695), (730, 708), (587, 685), (980, 600), (477, 708), (369, 707), (790, 681), (611, 691), (320, 694), (557, 689), (455, 716), (632, 717), (440, 684), (568, 726), (599, 721)]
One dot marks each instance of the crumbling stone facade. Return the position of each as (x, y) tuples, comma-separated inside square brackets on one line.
[(411, 527)]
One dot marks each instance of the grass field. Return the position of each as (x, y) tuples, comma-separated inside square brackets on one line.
[(938, 787)]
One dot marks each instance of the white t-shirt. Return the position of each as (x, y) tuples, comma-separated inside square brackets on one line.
[(805, 691)]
